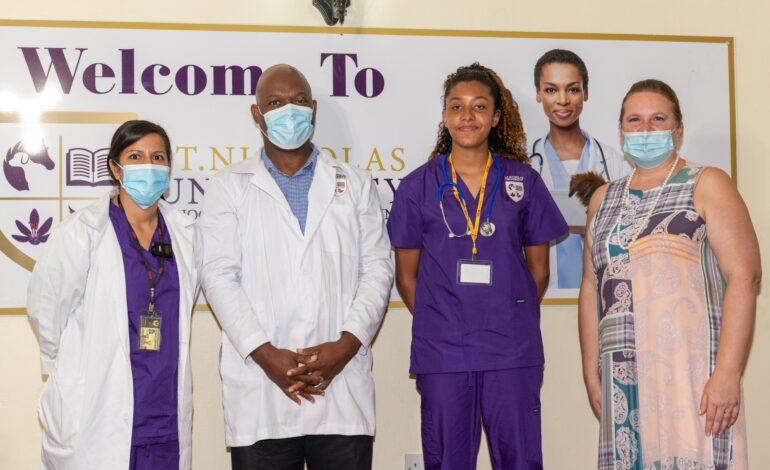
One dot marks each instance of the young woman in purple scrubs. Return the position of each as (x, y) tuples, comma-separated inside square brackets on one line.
[(471, 229), (111, 300)]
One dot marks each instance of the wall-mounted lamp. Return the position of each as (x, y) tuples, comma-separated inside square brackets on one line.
[(333, 11)]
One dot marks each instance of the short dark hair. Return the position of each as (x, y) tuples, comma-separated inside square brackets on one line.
[(131, 131), (561, 56)]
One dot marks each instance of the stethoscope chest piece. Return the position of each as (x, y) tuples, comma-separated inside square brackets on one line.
[(487, 228)]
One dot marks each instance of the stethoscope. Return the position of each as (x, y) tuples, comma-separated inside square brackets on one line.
[(538, 156), (487, 228)]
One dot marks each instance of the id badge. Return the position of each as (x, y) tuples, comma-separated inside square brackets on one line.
[(149, 332), (474, 272)]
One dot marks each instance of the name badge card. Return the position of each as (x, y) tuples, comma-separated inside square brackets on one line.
[(474, 272), (149, 332)]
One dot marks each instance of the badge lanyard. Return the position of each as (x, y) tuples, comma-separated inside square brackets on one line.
[(473, 226), (150, 327), (472, 271)]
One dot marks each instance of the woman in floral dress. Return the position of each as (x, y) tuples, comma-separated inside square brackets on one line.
[(672, 262)]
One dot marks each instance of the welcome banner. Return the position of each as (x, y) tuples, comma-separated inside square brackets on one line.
[(65, 87)]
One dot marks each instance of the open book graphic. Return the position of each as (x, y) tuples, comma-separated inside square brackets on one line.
[(87, 168)]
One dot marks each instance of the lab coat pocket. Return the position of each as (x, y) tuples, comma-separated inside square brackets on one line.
[(60, 411), (339, 229)]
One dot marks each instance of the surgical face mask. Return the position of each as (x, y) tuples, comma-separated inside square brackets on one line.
[(289, 126), (146, 183), (648, 149)]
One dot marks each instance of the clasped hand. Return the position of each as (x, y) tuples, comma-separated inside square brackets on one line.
[(308, 371)]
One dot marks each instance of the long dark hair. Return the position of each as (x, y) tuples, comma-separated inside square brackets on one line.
[(131, 131), (507, 139)]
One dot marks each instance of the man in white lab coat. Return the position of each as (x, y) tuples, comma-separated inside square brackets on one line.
[(295, 262)]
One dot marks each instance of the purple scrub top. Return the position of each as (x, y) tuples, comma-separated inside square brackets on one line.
[(154, 373), (462, 328)]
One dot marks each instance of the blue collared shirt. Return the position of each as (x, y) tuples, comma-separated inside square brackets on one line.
[(296, 187)]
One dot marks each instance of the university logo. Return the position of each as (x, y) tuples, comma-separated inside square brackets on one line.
[(46, 180), (514, 190), (22, 156), (88, 168), (34, 233), (341, 184)]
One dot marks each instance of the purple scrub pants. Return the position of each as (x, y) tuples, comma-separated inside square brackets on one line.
[(163, 456), (506, 402)]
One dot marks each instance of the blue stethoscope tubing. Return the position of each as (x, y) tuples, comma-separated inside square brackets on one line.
[(537, 155), (450, 184)]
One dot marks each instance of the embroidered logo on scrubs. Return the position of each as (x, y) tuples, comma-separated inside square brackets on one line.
[(514, 189), (341, 184)]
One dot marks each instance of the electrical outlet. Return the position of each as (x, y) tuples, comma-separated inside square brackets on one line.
[(413, 462)]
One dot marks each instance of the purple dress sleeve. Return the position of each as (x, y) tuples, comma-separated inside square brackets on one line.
[(543, 221)]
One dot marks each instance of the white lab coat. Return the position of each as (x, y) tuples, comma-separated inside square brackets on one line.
[(616, 165), (267, 281), (76, 302)]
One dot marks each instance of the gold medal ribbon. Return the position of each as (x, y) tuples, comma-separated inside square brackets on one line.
[(473, 226)]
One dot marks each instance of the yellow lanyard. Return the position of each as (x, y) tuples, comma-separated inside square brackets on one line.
[(473, 227)]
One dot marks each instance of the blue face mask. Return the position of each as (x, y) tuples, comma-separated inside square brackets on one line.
[(289, 126), (648, 149), (145, 184)]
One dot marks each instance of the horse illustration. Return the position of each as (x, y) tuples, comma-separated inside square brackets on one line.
[(20, 155)]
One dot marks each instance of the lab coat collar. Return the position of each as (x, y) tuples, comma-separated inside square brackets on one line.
[(545, 169), (97, 215), (251, 166), (262, 179), (308, 166), (319, 196), (321, 193)]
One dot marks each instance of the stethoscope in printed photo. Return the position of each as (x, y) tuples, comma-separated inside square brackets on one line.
[(539, 157), (487, 228)]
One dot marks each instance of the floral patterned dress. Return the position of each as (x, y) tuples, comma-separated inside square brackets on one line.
[(660, 311)]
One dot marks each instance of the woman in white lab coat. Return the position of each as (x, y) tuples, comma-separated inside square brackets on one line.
[(561, 80), (110, 300)]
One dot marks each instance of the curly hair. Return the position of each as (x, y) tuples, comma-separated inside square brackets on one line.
[(507, 138)]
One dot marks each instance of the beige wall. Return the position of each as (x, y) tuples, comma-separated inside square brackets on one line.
[(569, 431)]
